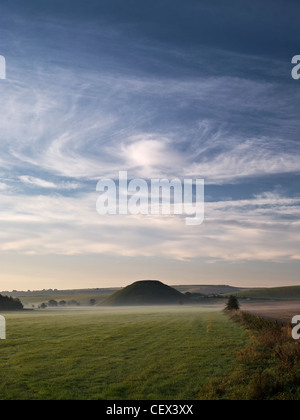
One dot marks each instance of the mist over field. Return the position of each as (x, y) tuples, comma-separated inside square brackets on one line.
[(110, 346), (114, 353)]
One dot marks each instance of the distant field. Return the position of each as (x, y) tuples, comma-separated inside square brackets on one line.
[(143, 353), (208, 289), (36, 298), (275, 311), (276, 293)]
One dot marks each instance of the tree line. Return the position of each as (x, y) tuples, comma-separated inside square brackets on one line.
[(54, 304), (7, 303)]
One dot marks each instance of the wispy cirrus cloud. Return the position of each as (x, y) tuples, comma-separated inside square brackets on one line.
[(95, 90), (37, 182), (264, 228), (107, 138)]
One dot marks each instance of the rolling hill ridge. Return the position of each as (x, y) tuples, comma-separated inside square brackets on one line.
[(147, 292)]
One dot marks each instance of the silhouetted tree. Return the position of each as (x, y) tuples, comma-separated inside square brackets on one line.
[(233, 304)]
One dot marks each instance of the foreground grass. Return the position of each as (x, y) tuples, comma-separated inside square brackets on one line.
[(146, 353)]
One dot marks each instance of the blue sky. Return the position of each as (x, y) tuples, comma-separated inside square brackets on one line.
[(195, 89)]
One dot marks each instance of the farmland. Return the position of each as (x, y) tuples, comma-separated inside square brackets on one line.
[(121, 353), (266, 294)]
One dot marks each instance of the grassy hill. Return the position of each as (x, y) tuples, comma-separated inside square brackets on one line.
[(109, 295), (146, 293), (208, 289), (34, 298), (275, 293)]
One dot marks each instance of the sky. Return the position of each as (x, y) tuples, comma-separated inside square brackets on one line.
[(161, 89)]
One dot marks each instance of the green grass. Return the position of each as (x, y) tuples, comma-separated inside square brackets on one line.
[(142, 353)]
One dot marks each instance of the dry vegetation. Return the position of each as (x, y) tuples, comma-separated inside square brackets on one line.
[(269, 366)]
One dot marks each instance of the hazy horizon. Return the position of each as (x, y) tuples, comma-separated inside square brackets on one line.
[(168, 89)]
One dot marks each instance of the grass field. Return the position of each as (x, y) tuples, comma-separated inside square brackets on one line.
[(142, 353), (274, 293)]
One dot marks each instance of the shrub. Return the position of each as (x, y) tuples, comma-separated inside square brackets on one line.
[(233, 304), (268, 367)]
